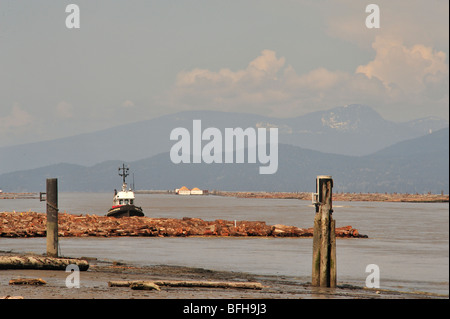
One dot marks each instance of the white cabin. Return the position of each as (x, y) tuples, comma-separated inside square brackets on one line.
[(124, 197)]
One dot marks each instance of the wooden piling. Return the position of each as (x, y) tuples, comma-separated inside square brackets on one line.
[(52, 217), (324, 236), (317, 238), (333, 265)]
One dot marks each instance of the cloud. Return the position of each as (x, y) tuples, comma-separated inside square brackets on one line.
[(128, 104), (64, 110), (262, 69), (255, 86), (398, 77), (412, 21), (266, 64), (411, 69), (18, 118)]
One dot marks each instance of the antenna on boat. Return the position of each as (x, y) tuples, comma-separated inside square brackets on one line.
[(124, 172)]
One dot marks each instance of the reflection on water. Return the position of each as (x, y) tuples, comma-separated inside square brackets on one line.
[(409, 242)]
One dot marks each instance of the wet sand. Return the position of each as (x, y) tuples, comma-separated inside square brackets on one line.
[(94, 285)]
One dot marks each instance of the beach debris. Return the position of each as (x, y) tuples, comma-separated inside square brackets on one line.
[(211, 284), (32, 224), (11, 297), (122, 283), (154, 285), (28, 281), (41, 263), (145, 285)]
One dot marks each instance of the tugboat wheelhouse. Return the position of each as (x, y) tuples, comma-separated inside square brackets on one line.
[(123, 201)]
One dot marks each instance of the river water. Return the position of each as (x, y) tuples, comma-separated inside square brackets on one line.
[(409, 242)]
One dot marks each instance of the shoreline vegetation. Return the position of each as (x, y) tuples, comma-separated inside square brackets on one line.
[(363, 197)]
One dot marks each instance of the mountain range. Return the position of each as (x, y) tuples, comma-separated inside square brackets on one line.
[(353, 130), (416, 165)]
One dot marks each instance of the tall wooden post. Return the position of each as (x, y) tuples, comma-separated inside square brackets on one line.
[(324, 237), (52, 217), (317, 239)]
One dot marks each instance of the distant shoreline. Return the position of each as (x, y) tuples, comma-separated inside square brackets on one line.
[(29, 195), (362, 197)]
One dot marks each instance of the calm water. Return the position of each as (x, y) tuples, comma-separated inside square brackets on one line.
[(409, 242)]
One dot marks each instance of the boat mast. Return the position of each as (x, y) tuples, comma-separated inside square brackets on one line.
[(124, 172)]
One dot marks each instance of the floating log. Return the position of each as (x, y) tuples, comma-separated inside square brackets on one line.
[(28, 281), (140, 284), (40, 263), (31, 224)]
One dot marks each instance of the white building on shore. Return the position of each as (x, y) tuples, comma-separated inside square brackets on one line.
[(186, 191), (196, 191)]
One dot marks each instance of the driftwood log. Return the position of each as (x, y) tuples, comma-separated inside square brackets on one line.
[(140, 284), (38, 262), (144, 285), (28, 281), (210, 284)]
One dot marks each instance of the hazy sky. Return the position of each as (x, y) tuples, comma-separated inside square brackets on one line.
[(134, 60)]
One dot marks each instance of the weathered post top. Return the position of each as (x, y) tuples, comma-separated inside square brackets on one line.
[(318, 197), (320, 180)]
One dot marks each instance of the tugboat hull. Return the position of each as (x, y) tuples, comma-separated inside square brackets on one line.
[(125, 211)]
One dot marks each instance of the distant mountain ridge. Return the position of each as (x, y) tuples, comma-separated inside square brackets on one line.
[(418, 165), (347, 130)]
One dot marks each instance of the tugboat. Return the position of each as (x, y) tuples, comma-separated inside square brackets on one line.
[(123, 201)]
